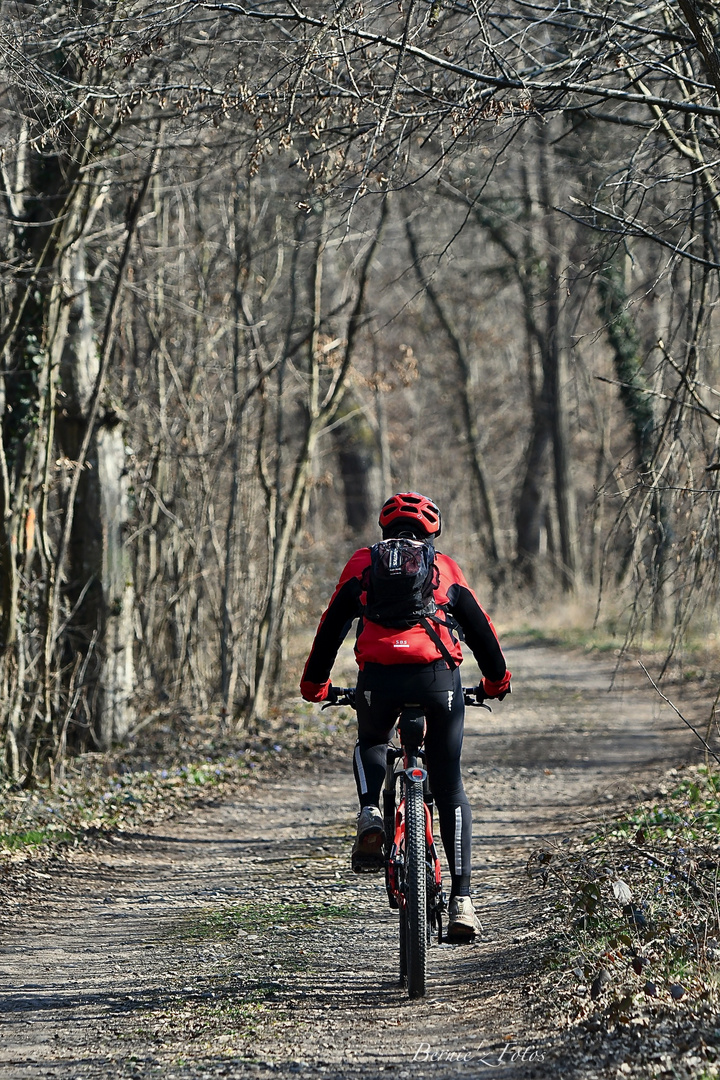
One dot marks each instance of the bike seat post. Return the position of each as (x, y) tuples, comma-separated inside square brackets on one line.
[(411, 729)]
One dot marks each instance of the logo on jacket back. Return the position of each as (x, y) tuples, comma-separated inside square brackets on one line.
[(401, 643)]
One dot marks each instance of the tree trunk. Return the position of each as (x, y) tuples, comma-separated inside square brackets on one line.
[(529, 516), (705, 34), (555, 369), (100, 592), (542, 287), (357, 450), (635, 396)]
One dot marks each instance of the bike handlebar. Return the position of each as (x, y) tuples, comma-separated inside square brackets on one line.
[(339, 695), (345, 695)]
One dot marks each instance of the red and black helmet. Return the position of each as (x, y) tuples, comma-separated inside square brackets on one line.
[(413, 508)]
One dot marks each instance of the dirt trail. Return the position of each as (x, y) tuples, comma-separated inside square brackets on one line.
[(138, 961)]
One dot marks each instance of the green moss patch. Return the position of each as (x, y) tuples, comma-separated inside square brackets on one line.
[(263, 917)]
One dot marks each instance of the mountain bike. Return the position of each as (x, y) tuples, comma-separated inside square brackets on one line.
[(413, 878)]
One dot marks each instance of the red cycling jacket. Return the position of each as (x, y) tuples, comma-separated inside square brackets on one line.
[(384, 645)]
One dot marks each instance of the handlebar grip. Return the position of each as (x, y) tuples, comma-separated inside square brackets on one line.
[(339, 695)]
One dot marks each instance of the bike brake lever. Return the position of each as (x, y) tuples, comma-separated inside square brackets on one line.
[(470, 699)]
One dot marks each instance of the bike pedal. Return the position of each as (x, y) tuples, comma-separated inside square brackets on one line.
[(462, 934)]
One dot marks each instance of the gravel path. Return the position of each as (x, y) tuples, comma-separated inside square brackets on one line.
[(237, 942)]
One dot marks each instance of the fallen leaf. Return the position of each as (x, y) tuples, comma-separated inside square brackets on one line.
[(622, 891), (603, 976)]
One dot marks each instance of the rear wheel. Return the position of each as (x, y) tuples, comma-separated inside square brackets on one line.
[(416, 936)]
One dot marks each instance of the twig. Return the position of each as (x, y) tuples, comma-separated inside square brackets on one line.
[(675, 709)]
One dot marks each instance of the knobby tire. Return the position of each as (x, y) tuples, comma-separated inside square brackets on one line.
[(416, 890), (403, 946)]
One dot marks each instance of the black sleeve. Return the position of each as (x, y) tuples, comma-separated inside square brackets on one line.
[(332, 631), (478, 632)]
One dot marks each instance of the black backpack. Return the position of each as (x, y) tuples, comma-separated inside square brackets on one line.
[(400, 583), (400, 587)]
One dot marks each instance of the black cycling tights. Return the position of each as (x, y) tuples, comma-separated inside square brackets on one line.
[(382, 691)]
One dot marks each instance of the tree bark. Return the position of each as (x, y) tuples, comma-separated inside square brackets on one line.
[(531, 496), (91, 555), (637, 400), (704, 34), (358, 453), (100, 591), (555, 369)]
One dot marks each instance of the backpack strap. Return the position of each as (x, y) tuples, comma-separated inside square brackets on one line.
[(449, 621), (432, 633)]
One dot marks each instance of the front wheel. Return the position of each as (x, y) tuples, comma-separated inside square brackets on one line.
[(416, 935), (403, 946)]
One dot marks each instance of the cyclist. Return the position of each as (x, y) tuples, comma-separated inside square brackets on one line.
[(416, 665)]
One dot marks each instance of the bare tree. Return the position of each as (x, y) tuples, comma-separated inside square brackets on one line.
[(210, 321)]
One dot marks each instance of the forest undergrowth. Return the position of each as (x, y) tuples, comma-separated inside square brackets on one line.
[(633, 957), (167, 771)]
